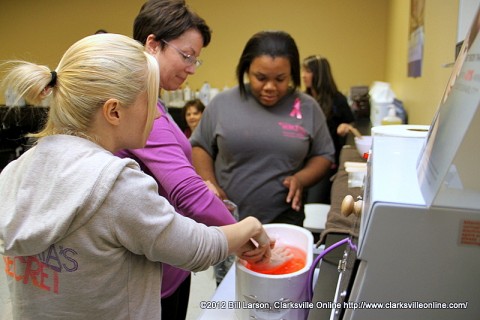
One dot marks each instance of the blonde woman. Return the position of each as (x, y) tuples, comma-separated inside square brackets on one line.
[(84, 233)]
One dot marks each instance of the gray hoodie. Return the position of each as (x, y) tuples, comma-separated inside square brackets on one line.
[(82, 234)]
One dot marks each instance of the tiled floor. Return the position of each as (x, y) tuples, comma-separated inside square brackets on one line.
[(202, 289)]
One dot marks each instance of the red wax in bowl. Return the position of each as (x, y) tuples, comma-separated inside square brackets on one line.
[(297, 262)]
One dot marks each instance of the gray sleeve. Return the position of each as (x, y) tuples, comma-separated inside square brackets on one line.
[(146, 224)]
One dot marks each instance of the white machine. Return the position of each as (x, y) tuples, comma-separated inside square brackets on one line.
[(418, 251), (415, 261)]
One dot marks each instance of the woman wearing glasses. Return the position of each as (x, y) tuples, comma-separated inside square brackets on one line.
[(175, 36)]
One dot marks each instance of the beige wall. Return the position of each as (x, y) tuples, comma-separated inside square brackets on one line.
[(365, 41), (421, 96), (350, 33), (41, 31)]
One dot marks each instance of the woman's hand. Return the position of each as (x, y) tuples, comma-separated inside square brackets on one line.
[(216, 190), (212, 187), (295, 190), (258, 249), (343, 129), (255, 253), (249, 240), (280, 255), (222, 194)]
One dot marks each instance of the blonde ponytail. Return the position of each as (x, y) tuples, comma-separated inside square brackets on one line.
[(93, 70)]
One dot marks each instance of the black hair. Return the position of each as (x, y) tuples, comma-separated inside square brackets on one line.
[(270, 43), (323, 87)]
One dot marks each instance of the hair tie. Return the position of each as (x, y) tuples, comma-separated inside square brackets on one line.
[(53, 82)]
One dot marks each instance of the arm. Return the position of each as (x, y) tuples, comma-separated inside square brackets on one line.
[(238, 237), (313, 171), (166, 158), (343, 129), (203, 163), (203, 143), (158, 232), (345, 113)]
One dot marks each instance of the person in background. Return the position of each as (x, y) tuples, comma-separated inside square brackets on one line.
[(192, 113), (85, 231), (175, 36), (262, 142), (320, 84)]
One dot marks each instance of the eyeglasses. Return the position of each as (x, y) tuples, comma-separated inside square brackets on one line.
[(188, 58)]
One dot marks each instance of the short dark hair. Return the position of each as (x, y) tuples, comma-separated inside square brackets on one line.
[(167, 20), (270, 43), (197, 103)]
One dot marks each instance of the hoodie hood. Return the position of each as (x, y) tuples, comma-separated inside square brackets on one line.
[(52, 190)]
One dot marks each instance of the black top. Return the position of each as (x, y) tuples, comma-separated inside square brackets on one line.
[(341, 113), (15, 123)]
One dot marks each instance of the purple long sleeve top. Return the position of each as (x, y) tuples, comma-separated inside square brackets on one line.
[(167, 157)]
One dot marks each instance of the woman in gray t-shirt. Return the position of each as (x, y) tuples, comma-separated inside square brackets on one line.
[(262, 143)]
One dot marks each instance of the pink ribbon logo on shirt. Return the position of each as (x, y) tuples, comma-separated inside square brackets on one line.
[(296, 110)]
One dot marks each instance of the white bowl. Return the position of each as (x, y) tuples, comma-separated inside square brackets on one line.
[(269, 289), (363, 144)]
